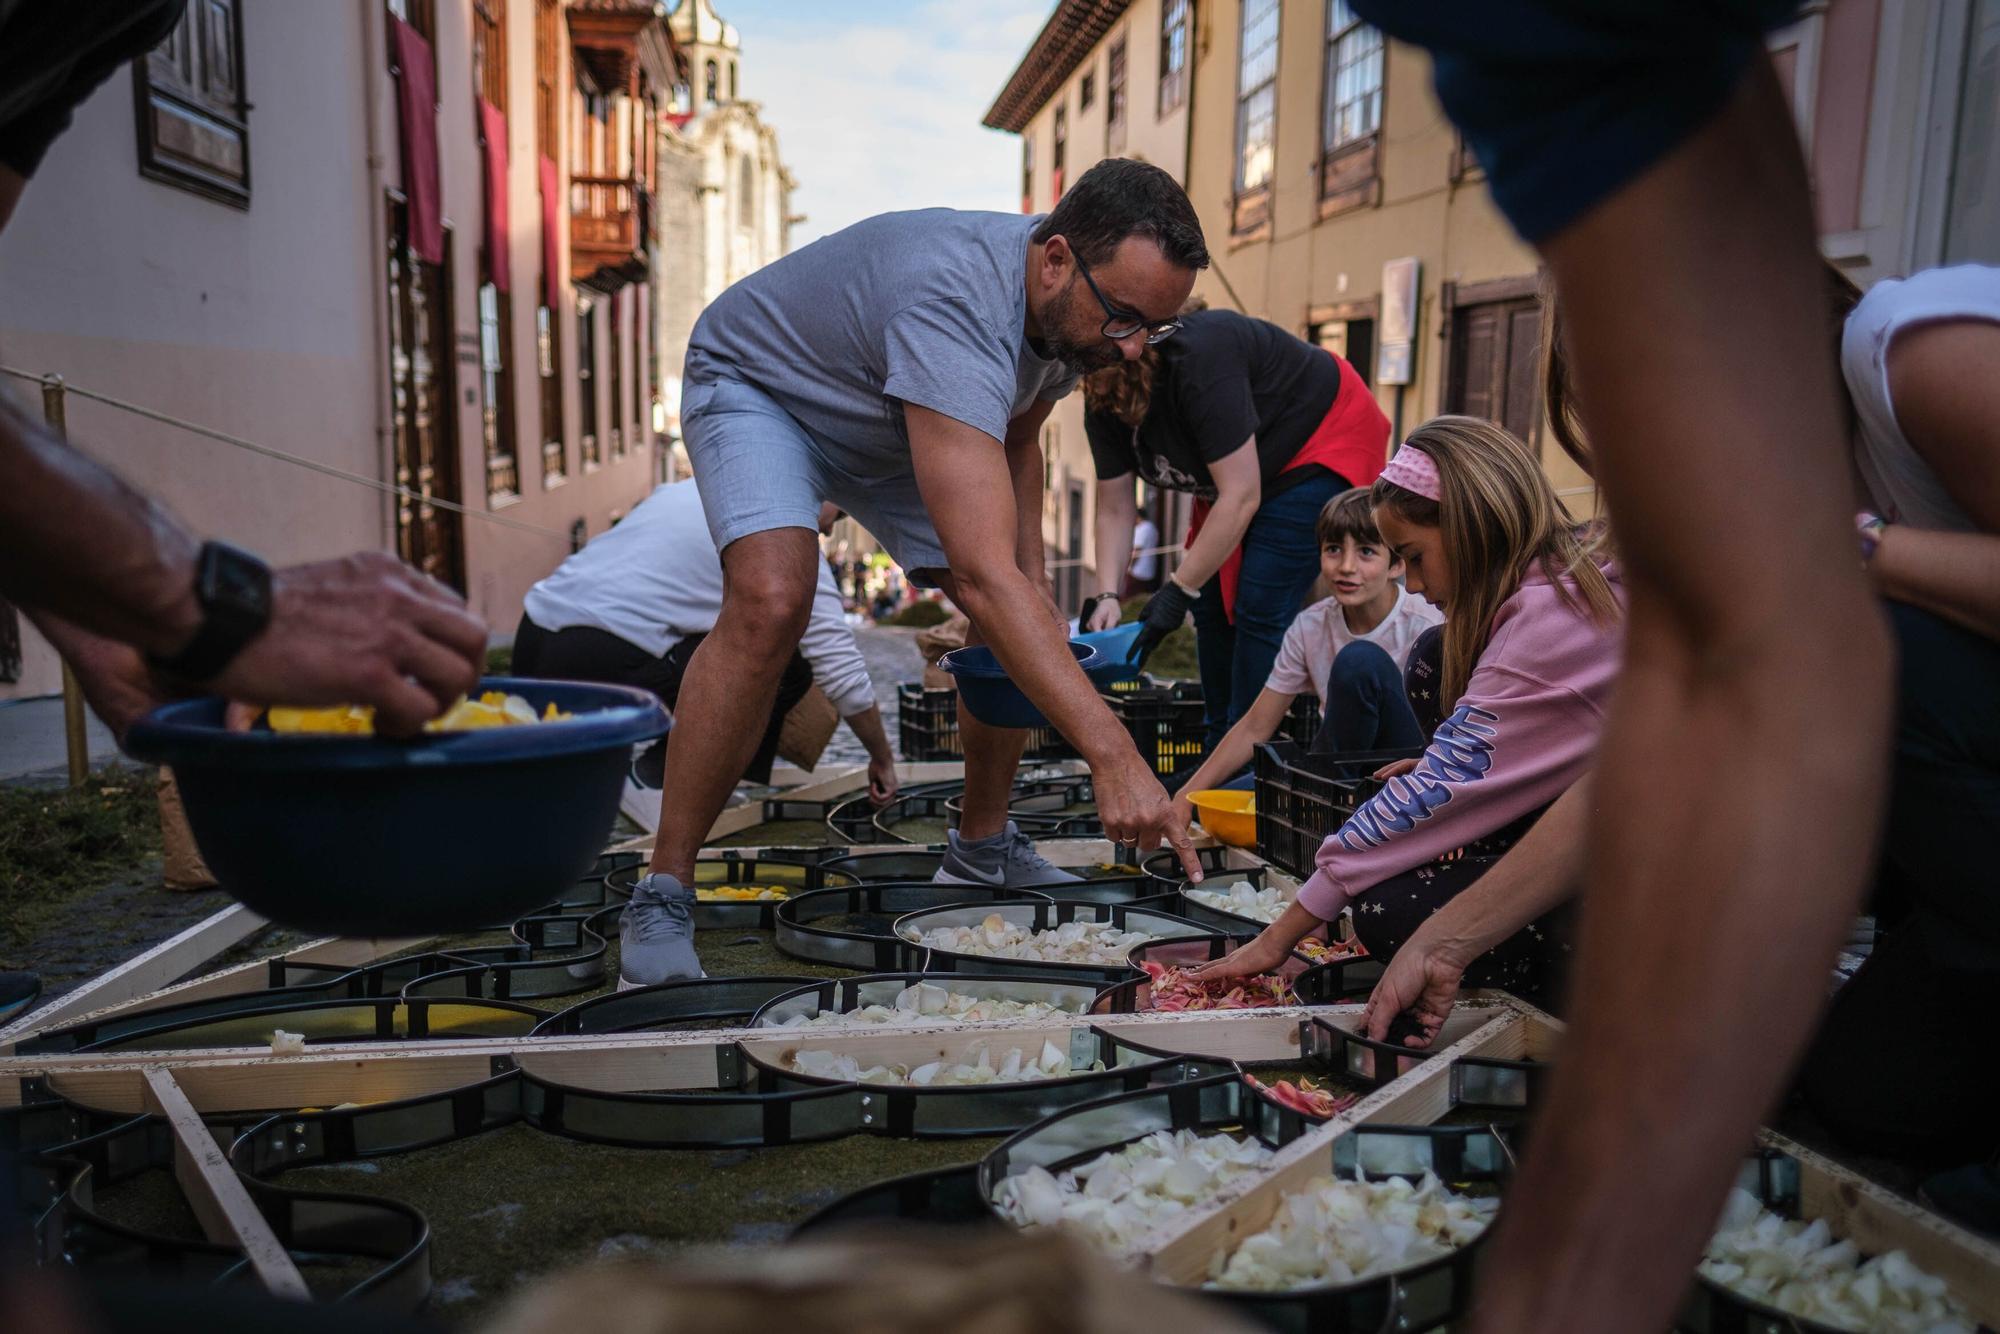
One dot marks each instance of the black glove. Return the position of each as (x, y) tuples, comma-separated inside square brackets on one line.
[(1165, 611)]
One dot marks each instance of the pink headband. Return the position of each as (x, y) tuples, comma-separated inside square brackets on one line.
[(1414, 470)]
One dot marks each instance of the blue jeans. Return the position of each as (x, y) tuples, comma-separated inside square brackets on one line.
[(1280, 562), (1366, 709)]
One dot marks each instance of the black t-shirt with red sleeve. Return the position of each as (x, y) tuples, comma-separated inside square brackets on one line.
[(1223, 378)]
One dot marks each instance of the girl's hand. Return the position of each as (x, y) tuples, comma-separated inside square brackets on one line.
[(1183, 812), (1265, 954), (1394, 769), (1420, 982)]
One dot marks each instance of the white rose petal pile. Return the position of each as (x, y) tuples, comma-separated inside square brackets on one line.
[(1014, 1066), (1118, 1197), (1335, 1231), (924, 1004), (1244, 900), (1800, 1269), (1072, 942)]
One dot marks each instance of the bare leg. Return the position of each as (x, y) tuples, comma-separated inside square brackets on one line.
[(731, 684), (992, 756)]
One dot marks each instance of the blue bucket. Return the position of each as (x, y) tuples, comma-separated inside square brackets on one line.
[(994, 699), (1112, 646), (373, 836)]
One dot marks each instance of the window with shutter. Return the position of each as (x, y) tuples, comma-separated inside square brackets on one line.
[(193, 121)]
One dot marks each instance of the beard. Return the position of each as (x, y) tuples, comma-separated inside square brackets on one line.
[(1077, 358)]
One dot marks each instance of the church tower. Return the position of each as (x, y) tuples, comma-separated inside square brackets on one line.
[(714, 52)]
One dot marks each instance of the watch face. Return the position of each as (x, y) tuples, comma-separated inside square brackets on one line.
[(237, 582)]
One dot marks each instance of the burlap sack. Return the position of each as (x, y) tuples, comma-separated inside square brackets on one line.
[(937, 641), (182, 867), (802, 737)]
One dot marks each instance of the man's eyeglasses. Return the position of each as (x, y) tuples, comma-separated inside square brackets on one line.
[(1122, 324)]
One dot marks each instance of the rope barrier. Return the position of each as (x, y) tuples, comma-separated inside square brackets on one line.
[(222, 437)]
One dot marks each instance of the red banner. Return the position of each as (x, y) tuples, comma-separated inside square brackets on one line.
[(416, 105), (551, 238), (493, 129)]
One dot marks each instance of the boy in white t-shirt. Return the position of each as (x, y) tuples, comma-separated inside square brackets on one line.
[(1351, 650)]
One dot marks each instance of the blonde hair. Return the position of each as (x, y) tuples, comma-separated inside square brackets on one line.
[(1498, 515)]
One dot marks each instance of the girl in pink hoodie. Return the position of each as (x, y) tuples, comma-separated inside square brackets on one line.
[(1533, 621)]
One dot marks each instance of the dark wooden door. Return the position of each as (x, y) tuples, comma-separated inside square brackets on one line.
[(422, 382), (1495, 358)]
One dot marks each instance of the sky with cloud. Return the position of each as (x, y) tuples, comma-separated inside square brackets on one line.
[(877, 106)]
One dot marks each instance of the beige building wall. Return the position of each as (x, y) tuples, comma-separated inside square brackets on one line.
[(1304, 264)]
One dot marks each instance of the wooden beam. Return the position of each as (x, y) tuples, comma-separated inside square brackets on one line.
[(1864, 1213), (332, 951), (170, 959), (235, 1079), (1180, 1252), (217, 1195)]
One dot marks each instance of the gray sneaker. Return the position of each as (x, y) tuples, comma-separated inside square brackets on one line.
[(656, 934), (1005, 858)]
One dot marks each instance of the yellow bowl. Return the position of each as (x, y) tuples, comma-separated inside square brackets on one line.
[(1228, 814)]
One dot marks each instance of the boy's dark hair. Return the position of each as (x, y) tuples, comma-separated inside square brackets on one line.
[(1349, 514), (1120, 197)]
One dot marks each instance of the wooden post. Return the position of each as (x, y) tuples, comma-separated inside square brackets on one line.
[(217, 1195), (76, 740)]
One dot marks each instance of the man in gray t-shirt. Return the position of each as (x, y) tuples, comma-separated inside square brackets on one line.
[(902, 369)]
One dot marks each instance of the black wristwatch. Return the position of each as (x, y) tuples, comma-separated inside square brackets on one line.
[(233, 588), (1090, 603)]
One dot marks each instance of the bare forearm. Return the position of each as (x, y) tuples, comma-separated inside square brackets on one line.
[(1223, 531), (1117, 515), (84, 546), (1258, 724), (1737, 796), (1954, 575), (1536, 875), (1024, 471), (868, 730)]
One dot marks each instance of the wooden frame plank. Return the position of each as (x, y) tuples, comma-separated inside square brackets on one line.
[(333, 951), (1180, 1253), (217, 1195), (237, 1079), (1872, 1218), (143, 973)]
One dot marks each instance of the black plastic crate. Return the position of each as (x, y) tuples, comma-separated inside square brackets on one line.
[(1301, 798), (1166, 723), (927, 728), (1301, 722)]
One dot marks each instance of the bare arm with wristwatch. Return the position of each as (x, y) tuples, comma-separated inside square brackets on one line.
[(142, 610)]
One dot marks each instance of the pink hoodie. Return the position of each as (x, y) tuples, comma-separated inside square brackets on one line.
[(1524, 730)]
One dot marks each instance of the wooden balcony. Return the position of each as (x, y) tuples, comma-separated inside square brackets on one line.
[(608, 227)]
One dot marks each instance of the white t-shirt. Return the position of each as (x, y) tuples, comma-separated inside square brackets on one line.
[(655, 578), (1900, 483), (1145, 537), (1320, 632)]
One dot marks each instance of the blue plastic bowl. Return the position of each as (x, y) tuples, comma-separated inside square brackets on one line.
[(365, 836), (1112, 646), (994, 699)]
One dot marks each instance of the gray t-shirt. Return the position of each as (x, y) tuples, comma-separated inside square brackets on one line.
[(926, 307)]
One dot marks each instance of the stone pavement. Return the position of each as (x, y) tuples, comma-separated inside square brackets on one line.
[(31, 741), (892, 657)]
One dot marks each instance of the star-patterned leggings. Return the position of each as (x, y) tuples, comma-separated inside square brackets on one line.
[(1531, 963)]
